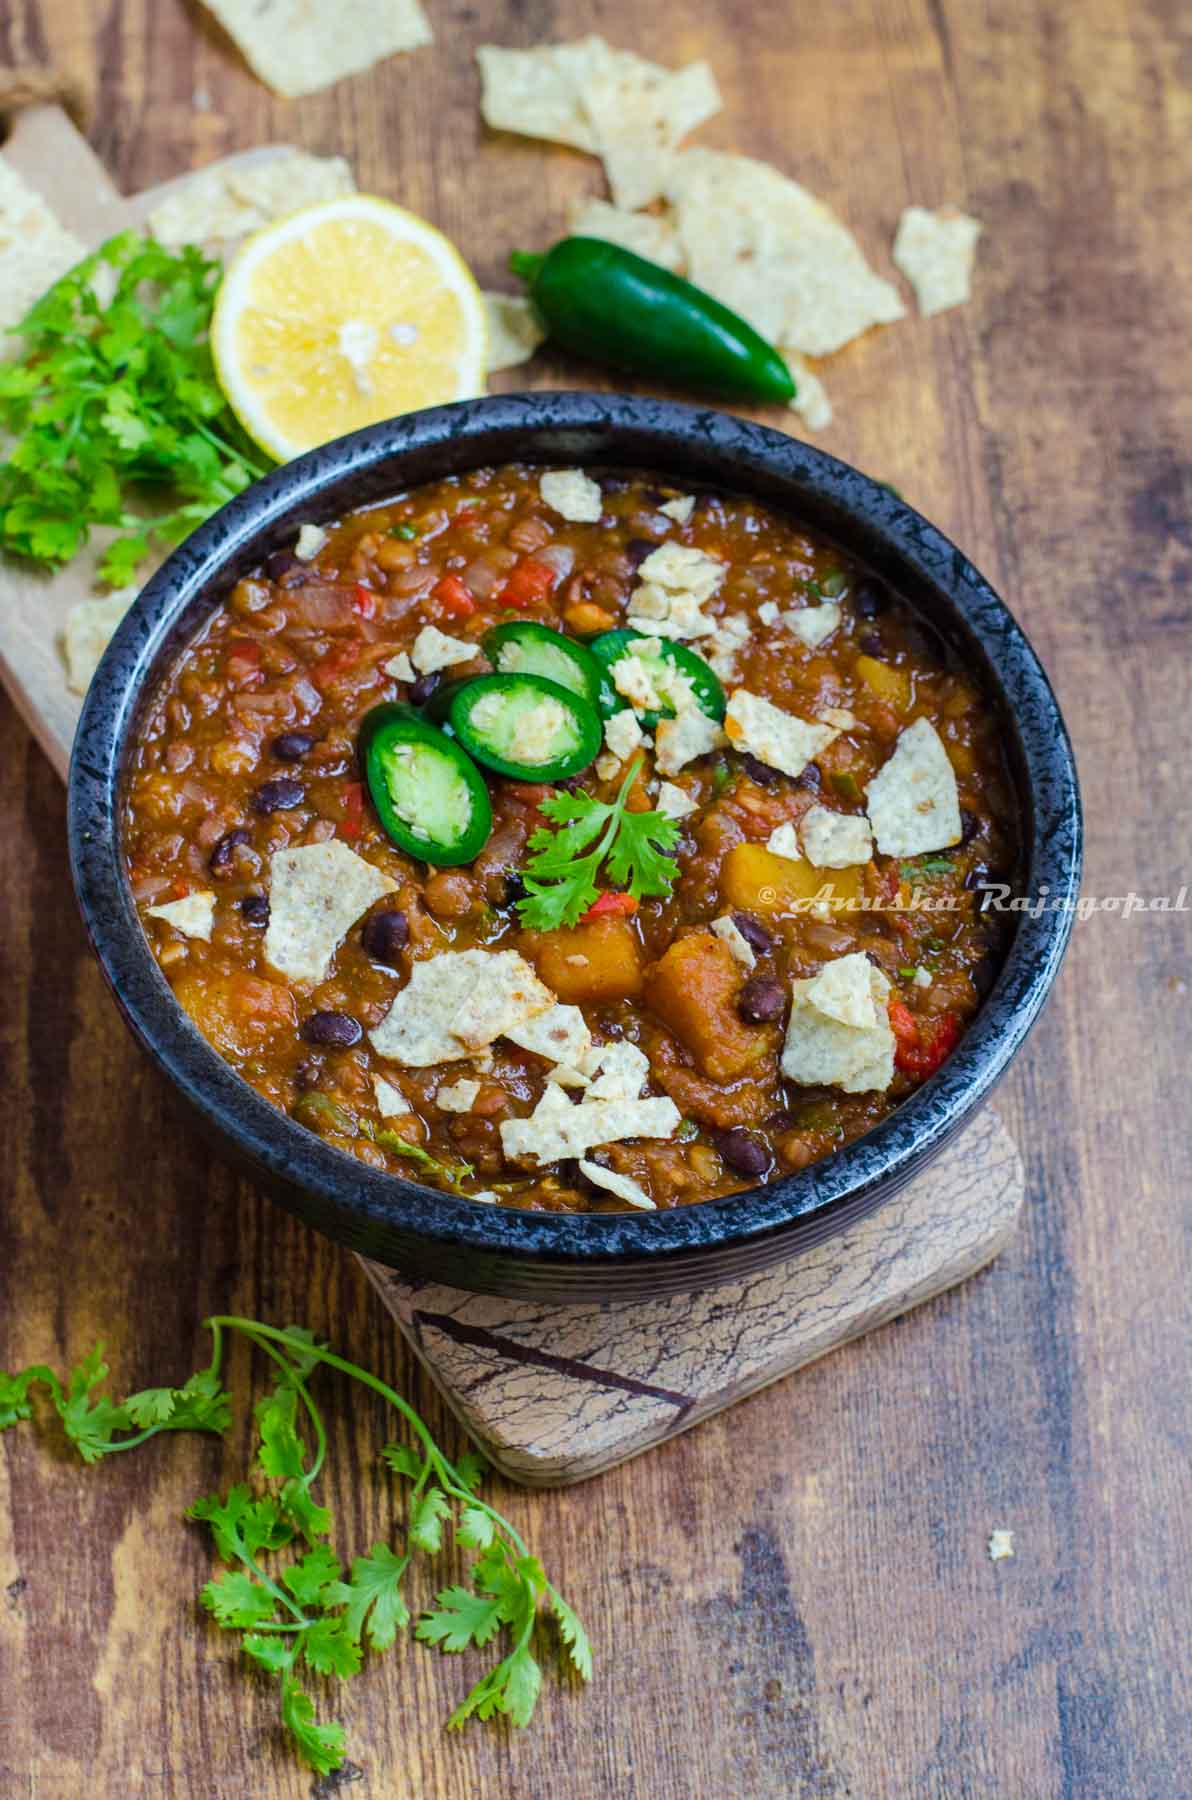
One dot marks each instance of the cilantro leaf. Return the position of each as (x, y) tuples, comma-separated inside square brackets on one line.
[(460, 1618), (374, 1592), (512, 1688), (579, 1650), (14, 1392), (241, 1525), (561, 874), (114, 398), (269, 1651), (330, 1649), (236, 1601), (307, 1579), (281, 1452), (322, 1746), (311, 1519), (471, 1469), (90, 1424), (402, 1460), (475, 1529), (426, 1520)]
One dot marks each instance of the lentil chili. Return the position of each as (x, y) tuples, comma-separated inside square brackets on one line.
[(251, 747)]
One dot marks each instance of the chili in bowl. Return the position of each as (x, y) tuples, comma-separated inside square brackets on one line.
[(563, 824)]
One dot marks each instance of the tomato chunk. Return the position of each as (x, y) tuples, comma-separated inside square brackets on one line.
[(610, 905), (453, 597), (922, 1045), (529, 583), (364, 602)]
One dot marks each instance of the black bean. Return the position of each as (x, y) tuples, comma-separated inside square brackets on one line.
[(255, 909), (292, 746), (970, 825), (613, 484), (221, 855), (282, 795), (870, 644), (637, 550), (424, 687), (811, 779), (742, 1151), (286, 569), (760, 772), (515, 889), (781, 1121), (753, 931), (385, 935), (870, 597), (761, 1000), (337, 1029)]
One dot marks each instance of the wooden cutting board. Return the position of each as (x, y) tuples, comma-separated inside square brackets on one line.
[(554, 1395)]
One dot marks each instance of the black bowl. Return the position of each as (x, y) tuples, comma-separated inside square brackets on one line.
[(559, 1257)]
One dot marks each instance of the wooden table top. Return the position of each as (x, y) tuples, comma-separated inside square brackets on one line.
[(796, 1599)]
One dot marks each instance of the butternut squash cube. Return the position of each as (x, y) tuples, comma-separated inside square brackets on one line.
[(693, 989), (889, 683), (595, 961), (755, 880)]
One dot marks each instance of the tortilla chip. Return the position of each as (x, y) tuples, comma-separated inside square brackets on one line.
[(844, 990), (458, 1096), (623, 1186), (391, 1102), (734, 939), (299, 46), (458, 1002), (560, 1035), (572, 494), (811, 401), (935, 252), (619, 1071), (556, 1128), (643, 233), (822, 1049), (90, 628), (912, 801), (774, 253), (217, 209), (537, 93), (193, 915), (777, 738), (34, 251), (639, 116), (835, 840), (316, 894), (513, 330)]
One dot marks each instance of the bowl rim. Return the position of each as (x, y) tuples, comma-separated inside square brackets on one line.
[(367, 1199)]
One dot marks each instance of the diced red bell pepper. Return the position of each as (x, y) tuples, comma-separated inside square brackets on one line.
[(456, 600), (617, 906), (243, 667), (180, 889), (364, 602), (467, 515), (922, 1045), (352, 822), (338, 660), (528, 584)]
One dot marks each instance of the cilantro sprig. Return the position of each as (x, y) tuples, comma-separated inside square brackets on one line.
[(113, 412), (284, 1590), (561, 873)]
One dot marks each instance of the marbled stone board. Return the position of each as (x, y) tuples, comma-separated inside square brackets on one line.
[(554, 1394)]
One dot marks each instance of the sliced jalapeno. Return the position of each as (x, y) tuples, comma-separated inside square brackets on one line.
[(660, 667), (524, 647), (430, 796), (525, 726)]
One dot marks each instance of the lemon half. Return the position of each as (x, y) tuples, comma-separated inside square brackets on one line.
[(343, 314)]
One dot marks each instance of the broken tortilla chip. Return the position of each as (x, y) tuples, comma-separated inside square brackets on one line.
[(299, 46), (34, 251), (90, 628), (775, 254), (640, 114), (640, 232), (217, 209), (316, 894), (935, 252), (513, 330), (458, 1002)]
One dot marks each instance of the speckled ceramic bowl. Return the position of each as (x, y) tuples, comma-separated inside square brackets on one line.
[(551, 1256)]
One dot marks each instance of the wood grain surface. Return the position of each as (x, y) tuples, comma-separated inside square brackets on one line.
[(794, 1600)]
